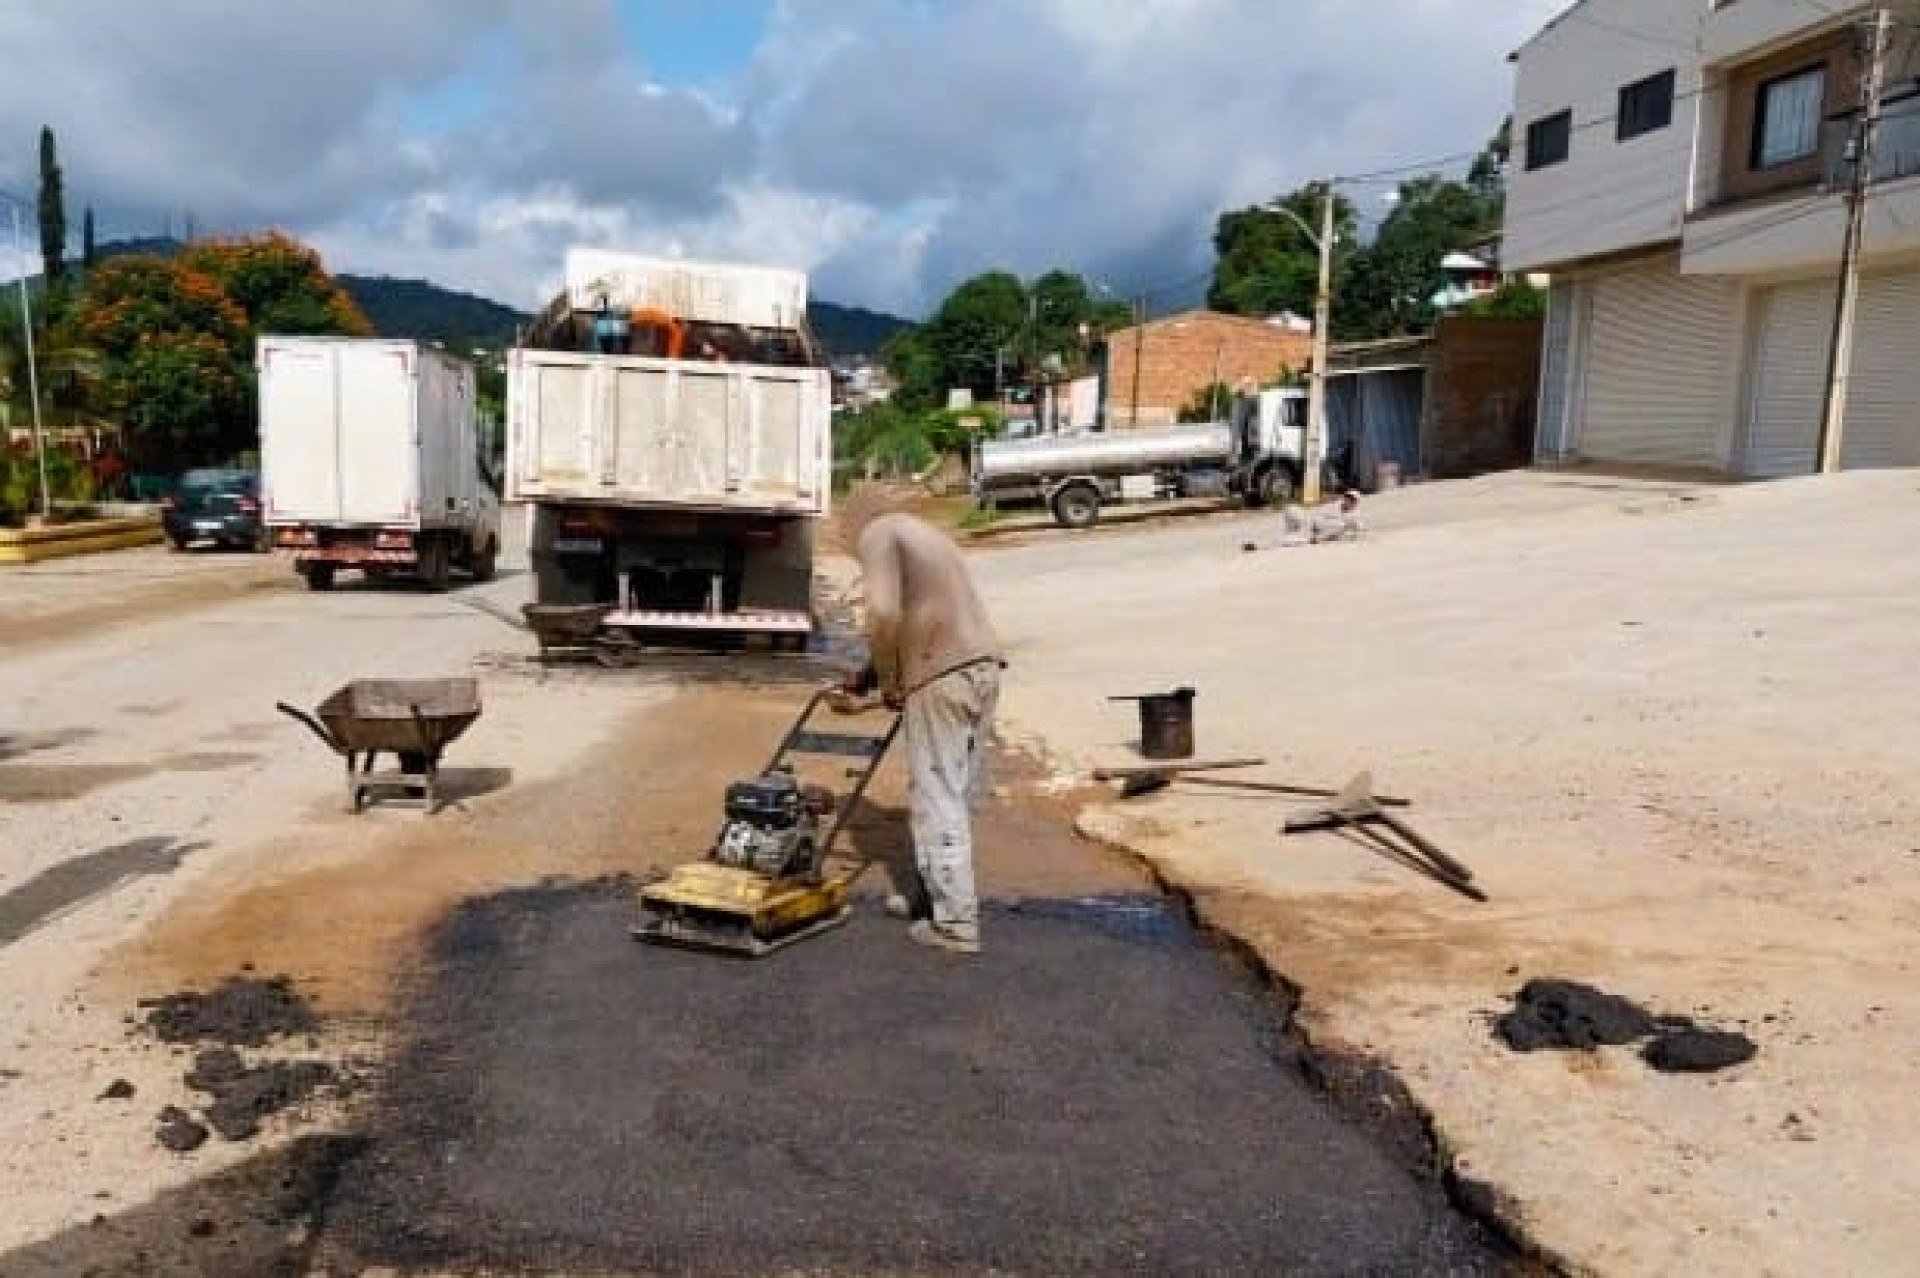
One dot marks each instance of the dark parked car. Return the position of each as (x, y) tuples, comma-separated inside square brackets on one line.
[(218, 506)]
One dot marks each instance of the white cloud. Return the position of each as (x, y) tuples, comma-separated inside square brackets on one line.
[(891, 145)]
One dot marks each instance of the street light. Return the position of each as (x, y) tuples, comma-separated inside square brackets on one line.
[(1313, 445), (33, 372)]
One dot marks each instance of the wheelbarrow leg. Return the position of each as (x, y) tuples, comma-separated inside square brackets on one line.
[(353, 783)]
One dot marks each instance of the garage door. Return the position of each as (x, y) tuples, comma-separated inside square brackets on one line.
[(1883, 402), (1789, 371), (1660, 375)]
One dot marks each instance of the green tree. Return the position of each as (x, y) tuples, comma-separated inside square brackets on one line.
[(1389, 288), (175, 339), (280, 285), (53, 213), (1515, 299), (977, 330), (917, 378), (1267, 263)]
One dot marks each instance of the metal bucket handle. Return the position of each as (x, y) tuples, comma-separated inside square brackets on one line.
[(319, 729)]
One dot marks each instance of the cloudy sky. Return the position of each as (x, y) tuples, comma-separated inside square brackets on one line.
[(889, 146)]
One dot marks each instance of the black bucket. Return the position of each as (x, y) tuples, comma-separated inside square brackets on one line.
[(1166, 723)]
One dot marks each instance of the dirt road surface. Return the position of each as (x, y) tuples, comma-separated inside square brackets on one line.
[(1100, 1093), (1667, 728)]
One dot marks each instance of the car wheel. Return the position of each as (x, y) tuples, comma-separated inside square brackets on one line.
[(1077, 506)]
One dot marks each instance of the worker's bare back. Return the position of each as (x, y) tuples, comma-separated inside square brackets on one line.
[(923, 614)]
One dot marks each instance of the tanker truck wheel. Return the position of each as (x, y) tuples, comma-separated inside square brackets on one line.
[(1273, 487), (1077, 506)]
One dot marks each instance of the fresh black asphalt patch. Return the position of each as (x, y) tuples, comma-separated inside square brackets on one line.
[(1100, 1092)]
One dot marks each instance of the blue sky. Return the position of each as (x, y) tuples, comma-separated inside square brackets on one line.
[(889, 147)]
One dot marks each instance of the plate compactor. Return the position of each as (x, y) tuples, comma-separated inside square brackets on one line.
[(765, 883)]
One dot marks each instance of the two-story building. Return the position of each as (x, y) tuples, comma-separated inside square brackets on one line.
[(1680, 168)]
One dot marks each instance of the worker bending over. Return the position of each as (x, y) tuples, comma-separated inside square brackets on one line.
[(936, 659)]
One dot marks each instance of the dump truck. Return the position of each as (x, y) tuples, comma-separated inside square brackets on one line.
[(1254, 454), (669, 426), (372, 458)]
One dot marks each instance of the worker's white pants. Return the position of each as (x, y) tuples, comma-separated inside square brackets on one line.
[(946, 725)]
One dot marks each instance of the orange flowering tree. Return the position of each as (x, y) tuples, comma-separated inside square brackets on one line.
[(175, 339)]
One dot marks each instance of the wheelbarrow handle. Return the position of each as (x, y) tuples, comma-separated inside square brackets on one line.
[(319, 729)]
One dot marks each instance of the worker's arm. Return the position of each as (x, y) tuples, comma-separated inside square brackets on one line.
[(883, 574)]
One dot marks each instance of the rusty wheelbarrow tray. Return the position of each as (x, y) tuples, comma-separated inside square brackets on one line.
[(414, 720), (566, 628)]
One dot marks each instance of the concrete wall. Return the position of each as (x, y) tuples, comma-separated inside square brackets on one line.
[(1608, 196), (1483, 378), (1183, 354)]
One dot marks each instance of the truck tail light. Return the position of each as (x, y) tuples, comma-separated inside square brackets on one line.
[(296, 536), (168, 503), (393, 539)]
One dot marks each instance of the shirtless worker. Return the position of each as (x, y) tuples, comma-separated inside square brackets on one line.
[(935, 658)]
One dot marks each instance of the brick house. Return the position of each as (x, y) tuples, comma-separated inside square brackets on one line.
[(1181, 355)]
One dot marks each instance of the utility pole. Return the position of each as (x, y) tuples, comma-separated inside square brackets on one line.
[(33, 364), (1846, 308), (1139, 351), (1314, 446)]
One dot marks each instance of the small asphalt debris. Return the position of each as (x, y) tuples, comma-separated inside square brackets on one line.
[(243, 1094), (1569, 1015), (1698, 1051), (1572, 1016), (242, 1011), (179, 1131), (118, 1089)]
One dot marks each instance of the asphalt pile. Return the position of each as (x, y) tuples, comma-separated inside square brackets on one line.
[(1561, 1015), (243, 1011)]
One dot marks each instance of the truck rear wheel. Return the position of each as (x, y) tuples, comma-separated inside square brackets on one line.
[(1077, 506), (435, 568), (319, 576), (486, 561)]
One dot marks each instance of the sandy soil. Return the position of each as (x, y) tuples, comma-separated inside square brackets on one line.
[(1663, 725)]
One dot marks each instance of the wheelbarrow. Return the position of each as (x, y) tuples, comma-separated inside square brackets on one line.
[(414, 720)]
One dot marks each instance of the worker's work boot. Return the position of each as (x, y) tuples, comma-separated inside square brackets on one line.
[(898, 906), (951, 939)]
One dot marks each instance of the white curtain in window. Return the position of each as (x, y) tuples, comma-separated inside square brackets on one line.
[(1790, 124)]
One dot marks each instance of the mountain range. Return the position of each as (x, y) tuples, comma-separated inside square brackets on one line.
[(428, 312)]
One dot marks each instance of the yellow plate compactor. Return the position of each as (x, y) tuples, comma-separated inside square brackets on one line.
[(766, 882)]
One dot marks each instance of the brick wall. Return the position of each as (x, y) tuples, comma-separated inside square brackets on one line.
[(1182, 354), (1483, 380)]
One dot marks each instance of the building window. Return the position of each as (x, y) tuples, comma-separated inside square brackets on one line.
[(1548, 140), (1646, 106), (1786, 117)]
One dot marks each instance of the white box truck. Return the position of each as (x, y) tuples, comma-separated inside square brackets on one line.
[(371, 458), (670, 425)]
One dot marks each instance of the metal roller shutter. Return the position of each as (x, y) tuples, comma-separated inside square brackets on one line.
[(1883, 401), (1789, 372), (1556, 361), (1661, 367)]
